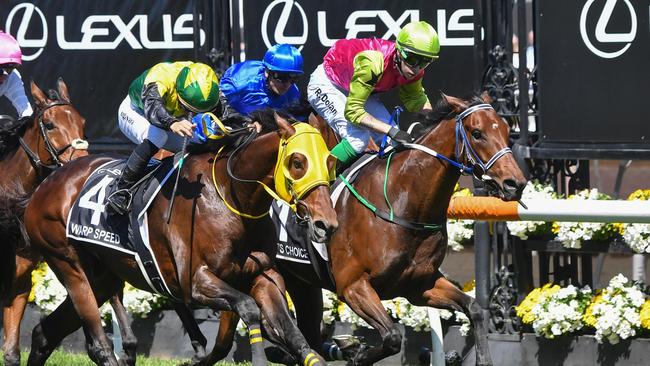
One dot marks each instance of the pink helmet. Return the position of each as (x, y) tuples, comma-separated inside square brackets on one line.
[(9, 50)]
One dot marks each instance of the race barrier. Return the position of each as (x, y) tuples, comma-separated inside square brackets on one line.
[(494, 209)]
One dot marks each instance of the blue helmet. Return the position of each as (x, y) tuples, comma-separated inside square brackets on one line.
[(283, 58)]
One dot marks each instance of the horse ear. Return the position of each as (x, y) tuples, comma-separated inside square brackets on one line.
[(37, 93), (63, 90), (456, 103), (285, 129), (486, 97)]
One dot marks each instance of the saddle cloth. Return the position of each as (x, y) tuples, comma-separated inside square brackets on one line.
[(293, 240), (90, 224)]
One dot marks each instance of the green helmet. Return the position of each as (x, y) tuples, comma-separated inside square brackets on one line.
[(419, 38), (198, 88)]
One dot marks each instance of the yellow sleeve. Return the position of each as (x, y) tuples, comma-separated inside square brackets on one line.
[(413, 96), (368, 70)]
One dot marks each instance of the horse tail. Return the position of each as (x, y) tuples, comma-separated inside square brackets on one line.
[(13, 236)]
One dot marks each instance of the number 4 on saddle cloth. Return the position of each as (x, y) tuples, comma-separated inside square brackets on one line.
[(90, 224)]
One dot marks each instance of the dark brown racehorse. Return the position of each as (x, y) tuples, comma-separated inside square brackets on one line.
[(201, 254), (29, 153), (373, 259)]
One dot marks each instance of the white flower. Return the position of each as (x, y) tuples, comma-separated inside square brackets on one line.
[(459, 231), (533, 190)]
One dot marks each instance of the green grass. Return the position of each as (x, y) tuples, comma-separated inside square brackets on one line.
[(62, 358)]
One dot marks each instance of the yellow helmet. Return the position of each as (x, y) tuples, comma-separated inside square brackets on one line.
[(198, 88)]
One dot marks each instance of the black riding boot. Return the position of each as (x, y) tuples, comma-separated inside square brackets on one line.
[(120, 201)]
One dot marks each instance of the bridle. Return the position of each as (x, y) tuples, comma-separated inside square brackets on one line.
[(479, 168), (76, 144)]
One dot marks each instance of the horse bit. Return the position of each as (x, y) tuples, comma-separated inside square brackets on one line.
[(76, 144)]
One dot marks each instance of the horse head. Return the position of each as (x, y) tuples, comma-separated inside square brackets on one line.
[(303, 172), (482, 142), (59, 126)]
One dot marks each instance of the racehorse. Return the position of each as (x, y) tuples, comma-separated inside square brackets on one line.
[(376, 256), (28, 153), (201, 254)]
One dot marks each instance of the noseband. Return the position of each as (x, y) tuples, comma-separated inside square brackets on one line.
[(76, 144), (462, 144)]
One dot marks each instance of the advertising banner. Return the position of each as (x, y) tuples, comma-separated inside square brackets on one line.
[(98, 48), (593, 79)]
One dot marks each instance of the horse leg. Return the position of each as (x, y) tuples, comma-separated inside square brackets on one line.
[(308, 301), (192, 328), (445, 294), (49, 333), (364, 301), (209, 290), (14, 309), (129, 341), (268, 291)]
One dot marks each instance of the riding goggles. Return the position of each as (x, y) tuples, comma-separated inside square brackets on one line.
[(6, 70), (284, 77), (415, 60)]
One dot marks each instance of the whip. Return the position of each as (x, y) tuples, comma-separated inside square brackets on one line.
[(178, 174)]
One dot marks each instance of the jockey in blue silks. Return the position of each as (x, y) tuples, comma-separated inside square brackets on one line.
[(253, 85)]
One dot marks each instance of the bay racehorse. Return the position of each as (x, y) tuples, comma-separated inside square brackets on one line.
[(201, 254), (396, 249), (28, 153)]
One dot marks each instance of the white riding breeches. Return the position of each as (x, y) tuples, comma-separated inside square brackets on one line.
[(136, 127), (329, 102)]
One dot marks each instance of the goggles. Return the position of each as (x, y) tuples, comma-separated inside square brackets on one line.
[(416, 61), (284, 77), (6, 69)]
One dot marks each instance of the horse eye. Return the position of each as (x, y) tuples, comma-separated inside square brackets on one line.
[(476, 134), (49, 126), (297, 164)]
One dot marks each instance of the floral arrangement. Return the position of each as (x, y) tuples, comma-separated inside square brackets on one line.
[(525, 229), (614, 313), (459, 231), (561, 312), (573, 234), (48, 293), (637, 236)]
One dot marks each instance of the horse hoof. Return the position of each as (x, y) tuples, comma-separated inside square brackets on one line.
[(12, 359)]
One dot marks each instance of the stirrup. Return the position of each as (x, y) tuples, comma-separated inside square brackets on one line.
[(119, 201)]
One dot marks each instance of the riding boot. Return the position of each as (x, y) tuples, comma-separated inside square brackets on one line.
[(120, 200), (344, 154)]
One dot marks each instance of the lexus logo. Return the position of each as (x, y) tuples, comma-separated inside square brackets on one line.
[(22, 23), (279, 35), (621, 41)]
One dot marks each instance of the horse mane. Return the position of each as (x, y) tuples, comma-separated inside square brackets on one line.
[(10, 132), (442, 110)]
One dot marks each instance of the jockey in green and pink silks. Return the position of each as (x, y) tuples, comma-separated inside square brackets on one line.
[(343, 89)]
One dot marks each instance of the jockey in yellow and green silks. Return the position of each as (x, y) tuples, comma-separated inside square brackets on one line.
[(156, 114)]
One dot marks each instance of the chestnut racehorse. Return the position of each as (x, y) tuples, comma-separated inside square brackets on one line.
[(29, 152), (201, 253), (372, 258)]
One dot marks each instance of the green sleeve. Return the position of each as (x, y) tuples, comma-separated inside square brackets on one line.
[(368, 69), (412, 96)]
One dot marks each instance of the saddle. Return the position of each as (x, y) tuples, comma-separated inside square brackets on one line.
[(90, 224)]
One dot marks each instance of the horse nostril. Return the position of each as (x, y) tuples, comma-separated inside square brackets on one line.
[(324, 227)]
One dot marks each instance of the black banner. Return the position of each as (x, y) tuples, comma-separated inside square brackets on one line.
[(98, 47), (593, 79), (315, 25)]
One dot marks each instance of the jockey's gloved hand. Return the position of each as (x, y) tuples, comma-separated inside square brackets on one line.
[(400, 136)]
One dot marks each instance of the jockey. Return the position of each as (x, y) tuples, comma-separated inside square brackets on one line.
[(11, 84), (155, 114), (252, 85), (343, 89)]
